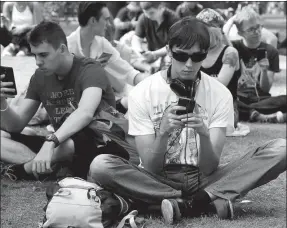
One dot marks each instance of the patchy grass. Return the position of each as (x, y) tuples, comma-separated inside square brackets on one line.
[(22, 202)]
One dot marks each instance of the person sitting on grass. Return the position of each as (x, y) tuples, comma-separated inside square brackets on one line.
[(21, 18), (153, 25), (222, 60), (62, 80), (259, 63), (89, 41), (231, 31), (180, 152)]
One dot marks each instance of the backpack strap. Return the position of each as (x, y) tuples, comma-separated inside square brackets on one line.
[(130, 217)]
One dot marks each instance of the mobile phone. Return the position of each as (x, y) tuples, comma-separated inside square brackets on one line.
[(106, 55), (185, 102), (261, 53), (9, 77)]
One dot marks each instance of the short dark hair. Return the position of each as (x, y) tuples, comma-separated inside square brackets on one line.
[(148, 5), (87, 10), (188, 31), (49, 32)]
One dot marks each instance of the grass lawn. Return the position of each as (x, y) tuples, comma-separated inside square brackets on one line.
[(22, 202)]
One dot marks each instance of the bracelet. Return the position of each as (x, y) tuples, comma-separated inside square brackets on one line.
[(5, 108)]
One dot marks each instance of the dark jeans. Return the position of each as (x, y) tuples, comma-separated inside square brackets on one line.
[(257, 167), (265, 104)]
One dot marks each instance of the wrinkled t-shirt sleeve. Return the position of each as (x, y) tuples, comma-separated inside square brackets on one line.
[(33, 89), (93, 76)]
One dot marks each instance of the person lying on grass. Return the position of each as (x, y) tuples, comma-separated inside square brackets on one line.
[(180, 145), (62, 80)]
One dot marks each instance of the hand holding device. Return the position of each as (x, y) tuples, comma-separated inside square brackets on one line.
[(8, 85), (104, 58), (262, 58)]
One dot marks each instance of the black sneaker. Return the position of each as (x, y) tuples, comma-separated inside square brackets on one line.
[(224, 208), (170, 211)]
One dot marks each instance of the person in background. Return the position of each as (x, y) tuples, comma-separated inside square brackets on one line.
[(21, 17), (180, 152), (259, 63), (88, 40), (222, 61), (188, 9), (126, 19), (153, 25), (231, 31), (62, 80)]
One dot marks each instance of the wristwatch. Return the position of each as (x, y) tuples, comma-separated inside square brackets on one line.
[(53, 138)]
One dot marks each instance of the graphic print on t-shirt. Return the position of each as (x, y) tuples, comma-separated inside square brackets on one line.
[(58, 103), (183, 144), (250, 73)]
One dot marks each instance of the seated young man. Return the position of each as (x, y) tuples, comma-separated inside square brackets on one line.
[(259, 62), (89, 41), (153, 25), (180, 152), (231, 31), (126, 19), (61, 81)]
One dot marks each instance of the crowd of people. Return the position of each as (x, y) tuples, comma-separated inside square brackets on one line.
[(180, 80)]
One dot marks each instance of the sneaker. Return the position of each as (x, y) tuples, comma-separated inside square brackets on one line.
[(224, 208), (170, 211), (277, 117)]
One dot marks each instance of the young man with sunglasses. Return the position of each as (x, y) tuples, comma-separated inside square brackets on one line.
[(180, 147), (259, 63)]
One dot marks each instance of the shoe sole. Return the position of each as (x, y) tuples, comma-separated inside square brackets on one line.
[(227, 214), (170, 211)]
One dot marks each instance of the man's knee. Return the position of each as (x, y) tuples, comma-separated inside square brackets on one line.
[(101, 168), (276, 148), (65, 151)]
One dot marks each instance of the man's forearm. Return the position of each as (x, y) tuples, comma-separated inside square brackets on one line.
[(73, 124), (160, 52), (208, 159), (265, 81), (10, 119), (156, 153)]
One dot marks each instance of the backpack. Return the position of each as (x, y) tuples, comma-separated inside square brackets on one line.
[(76, 203)]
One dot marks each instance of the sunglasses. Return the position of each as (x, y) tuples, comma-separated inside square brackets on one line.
[(183, 57)]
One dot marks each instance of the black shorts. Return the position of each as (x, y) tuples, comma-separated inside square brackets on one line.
[(85, 149)]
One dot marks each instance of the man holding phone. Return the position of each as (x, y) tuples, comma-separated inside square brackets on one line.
[(89, 41), (62, 80), (180, 152), (259, 62)]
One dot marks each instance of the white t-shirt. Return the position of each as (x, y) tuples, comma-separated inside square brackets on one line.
[(119, 71), (149, 99)]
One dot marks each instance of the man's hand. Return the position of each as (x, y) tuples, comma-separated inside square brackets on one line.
[(149, 56), (42, 162), (264, 64), (104, 59), (170, 120), (195, 121), (5, 90)]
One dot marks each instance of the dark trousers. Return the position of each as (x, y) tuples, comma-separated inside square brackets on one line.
[(264, 103)]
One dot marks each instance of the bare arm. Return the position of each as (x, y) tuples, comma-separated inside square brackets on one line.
[(122, 24), (151, 151), (15, 119), (82, 116), (228, 25), (160, 52), (7, 12), (230, 64), (266, 80), (211, 147)]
